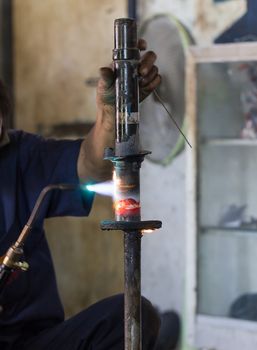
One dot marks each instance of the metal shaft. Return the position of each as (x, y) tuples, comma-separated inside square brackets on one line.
[(132, 293), (127, 167)]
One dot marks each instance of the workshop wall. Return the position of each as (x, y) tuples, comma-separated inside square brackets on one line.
[(205, 18), (1, 44), (6, 67), (58, 49), (2, 41), (163, 253)]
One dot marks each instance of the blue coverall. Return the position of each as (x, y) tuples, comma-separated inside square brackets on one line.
[(31, 313)]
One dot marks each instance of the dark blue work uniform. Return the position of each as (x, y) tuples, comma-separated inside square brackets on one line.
[(31, 314)]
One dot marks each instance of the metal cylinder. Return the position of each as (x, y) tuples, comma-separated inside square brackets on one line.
[(127, 191), (126, 58), (127, 162), (125, 40), (127, 158)]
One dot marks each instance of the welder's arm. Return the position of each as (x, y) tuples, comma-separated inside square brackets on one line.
[(91, 166)]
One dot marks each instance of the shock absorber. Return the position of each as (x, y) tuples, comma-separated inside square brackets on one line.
[(127, 158)]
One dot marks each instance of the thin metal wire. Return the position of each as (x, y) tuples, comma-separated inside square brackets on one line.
[(172, 118)]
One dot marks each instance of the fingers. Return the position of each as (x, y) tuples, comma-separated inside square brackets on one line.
[(150, 79), (146, 90), (153, 84), (107, 77), (147, 79), (142, 44), (147, 61), (105, 87)]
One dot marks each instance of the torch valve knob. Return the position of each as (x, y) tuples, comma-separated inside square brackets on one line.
[(22, 265)]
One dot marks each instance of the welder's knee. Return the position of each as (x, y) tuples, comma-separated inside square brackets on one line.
[(150, 324), (150, 319)]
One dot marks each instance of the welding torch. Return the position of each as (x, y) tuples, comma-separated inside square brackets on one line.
[(12, 260)]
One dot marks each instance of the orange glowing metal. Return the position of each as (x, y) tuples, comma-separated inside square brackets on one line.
[(147, 231), (125, 187), (127, 207)]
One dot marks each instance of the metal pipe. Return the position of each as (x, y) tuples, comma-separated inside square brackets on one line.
[(127, 209), (132, 290), (127, 158), (126, 57), (132, 9), (126, 168)]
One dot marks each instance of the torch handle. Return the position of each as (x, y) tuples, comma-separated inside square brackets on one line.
[(12, 258)]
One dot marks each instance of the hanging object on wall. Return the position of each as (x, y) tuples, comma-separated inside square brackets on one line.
[(169, 38)]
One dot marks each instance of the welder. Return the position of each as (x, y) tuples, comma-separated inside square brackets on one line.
[(31, 314)]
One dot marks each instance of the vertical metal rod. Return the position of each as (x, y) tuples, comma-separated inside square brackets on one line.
[(127, 158), (132, 276), (132, 9), (127, 167), (127, 208)]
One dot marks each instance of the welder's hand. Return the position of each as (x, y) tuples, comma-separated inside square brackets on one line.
[(149, 76), (91, 166), (149, 79)]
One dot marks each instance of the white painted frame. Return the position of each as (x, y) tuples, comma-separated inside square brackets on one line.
[(199, 331)]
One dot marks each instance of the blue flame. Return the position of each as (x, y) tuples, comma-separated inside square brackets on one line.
[(103, 188)]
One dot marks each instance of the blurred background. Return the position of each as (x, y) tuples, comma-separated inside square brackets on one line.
[(50, 54)]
